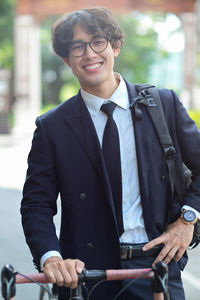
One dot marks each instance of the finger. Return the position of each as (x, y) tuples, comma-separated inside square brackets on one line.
[(50, 268), (171, 254), (54, 275), (162, 254), (79, 265), (57, 272), (63, 278), (74, 267), (50, 276), (49, 271), (179, 254), (64, 272), (160, 240), (70, 274)]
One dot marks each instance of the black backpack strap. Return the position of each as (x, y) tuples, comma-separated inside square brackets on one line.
[(149, 96)]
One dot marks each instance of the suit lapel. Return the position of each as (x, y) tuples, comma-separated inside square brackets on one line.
[(79, 121)]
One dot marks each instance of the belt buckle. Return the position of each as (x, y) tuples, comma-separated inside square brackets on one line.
[(126, 252), (130, 252)]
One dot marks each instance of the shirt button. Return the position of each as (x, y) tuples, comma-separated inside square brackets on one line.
[(83, 196)]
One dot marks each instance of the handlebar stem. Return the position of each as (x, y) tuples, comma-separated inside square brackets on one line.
[(76, 294)]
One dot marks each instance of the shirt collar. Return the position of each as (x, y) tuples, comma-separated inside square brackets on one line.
[(120, 97)]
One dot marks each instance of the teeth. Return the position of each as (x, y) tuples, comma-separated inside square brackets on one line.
[(93, 66)]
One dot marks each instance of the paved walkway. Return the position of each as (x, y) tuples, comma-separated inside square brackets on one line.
[(13, 250)]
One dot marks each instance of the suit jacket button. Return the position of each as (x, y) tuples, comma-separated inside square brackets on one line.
[(89, 245), (83, 196)]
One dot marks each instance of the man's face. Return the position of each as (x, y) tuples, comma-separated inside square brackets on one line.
[(93, 70)]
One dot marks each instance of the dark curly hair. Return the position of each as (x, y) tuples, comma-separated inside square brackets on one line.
[(92, 20)]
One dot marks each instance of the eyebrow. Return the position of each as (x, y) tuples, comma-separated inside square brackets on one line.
[(76, 41), (81, 41)]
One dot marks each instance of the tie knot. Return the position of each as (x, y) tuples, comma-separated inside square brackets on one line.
[(108, 108)]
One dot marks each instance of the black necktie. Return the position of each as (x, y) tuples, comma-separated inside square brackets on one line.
[(111, 151)]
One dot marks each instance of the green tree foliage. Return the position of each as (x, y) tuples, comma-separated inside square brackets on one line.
[(195, 115), (6, 34), (138, 52), (55, 74)]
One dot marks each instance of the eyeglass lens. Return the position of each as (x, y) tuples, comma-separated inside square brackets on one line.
[(97, 44)]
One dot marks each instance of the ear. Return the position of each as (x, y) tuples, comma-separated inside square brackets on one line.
[(116, 52), (116, 48), (67, 61)]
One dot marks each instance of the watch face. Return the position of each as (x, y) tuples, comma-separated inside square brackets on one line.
[(189, 216)]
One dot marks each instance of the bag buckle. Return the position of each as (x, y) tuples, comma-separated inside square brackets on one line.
[(149, 101), (169, 152)]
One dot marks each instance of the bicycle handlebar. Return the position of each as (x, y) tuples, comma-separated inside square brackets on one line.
[(158, 274), (40, 277), (91, 275)]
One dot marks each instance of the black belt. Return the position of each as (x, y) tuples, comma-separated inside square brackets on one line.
[(129, 251)]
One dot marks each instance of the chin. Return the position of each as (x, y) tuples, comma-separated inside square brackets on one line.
[(94, 82)]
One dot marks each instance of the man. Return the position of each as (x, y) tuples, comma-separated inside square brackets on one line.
[(69, 156)]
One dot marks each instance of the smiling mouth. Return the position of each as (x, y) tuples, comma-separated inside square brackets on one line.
[(93, 67)]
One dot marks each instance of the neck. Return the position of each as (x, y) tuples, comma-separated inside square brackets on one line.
[(104, 90)]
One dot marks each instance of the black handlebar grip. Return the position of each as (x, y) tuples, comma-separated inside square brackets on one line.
[(91, 275)]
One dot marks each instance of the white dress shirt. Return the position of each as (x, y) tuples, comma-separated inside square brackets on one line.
[(134, 229)]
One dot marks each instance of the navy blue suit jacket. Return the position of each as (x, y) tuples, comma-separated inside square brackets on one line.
[(66, 158)]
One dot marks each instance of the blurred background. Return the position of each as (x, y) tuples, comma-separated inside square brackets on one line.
[(162, 47)]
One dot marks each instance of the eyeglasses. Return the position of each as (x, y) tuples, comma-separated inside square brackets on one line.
[(97, 44)]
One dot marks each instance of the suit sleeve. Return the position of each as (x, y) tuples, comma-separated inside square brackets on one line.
[(188, 137), (39, 196)]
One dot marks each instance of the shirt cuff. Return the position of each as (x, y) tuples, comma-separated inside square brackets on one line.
[(194, 210), (48, 255)]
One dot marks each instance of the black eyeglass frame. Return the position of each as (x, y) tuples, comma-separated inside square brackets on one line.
[(88, 43)]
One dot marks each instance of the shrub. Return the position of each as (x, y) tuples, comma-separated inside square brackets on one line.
[(195, 115)]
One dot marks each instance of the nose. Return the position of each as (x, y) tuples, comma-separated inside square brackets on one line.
[(89, 52)]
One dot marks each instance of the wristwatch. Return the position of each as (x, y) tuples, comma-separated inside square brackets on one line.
[(189, 216)]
